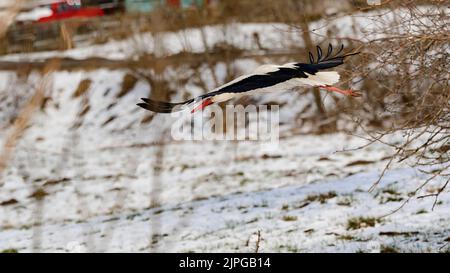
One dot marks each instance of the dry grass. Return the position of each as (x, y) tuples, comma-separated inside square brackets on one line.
[(361, 222), (82, 88), (9, 13), (21, 122), (128, 83)]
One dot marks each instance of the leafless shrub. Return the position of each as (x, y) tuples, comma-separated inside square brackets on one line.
[(406, 68)]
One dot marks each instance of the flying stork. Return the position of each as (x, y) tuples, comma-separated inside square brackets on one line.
[(267, 78)]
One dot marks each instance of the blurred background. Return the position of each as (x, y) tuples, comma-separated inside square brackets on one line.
[(82, 168)]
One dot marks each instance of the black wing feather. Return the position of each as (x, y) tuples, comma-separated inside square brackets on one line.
[(319, 53), (328, 61), (311, 57), (330, 49), (163, 107)]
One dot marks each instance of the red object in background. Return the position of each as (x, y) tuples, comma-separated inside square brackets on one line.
[(63, 11), (174, 3)]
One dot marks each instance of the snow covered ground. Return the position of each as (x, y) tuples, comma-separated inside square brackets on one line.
[(301, 199), (110, 185)]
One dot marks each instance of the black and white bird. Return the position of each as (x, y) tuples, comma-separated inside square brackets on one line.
[(267, 78)]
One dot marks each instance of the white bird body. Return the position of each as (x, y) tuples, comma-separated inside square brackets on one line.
[(321, 78), (267, 78)]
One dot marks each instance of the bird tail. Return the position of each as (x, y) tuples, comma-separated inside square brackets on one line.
[(163, 107), (329, 60)]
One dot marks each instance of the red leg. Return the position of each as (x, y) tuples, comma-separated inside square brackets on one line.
[(202, 105), (347, 92)]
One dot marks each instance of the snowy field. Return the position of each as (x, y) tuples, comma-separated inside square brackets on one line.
[(332, 215), (109, 189), (93, 172)]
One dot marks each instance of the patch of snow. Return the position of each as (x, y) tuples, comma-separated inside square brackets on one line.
[(34, 14), (289, 219)]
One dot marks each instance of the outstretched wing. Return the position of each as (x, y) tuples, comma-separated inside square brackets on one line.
[(240, 85), (256, 81), (280, 74), (261, 79)]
